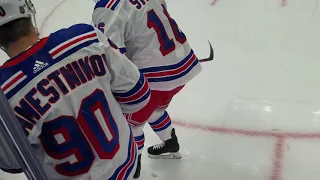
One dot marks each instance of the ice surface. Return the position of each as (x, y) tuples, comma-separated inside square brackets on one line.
[(253, 113)]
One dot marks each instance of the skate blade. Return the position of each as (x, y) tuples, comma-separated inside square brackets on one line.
[(176, 155)]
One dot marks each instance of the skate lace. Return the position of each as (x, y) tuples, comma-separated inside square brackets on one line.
[(159, 146)]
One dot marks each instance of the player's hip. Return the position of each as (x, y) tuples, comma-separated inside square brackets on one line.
[(158, 100)]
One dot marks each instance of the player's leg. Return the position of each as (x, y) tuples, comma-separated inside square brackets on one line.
[(137, 121), (161, 124), (154, 112), (139, 138)]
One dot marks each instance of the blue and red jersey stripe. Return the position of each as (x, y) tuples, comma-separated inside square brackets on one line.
[(171, 72), (109, 4), (139, 93), (126, 168)]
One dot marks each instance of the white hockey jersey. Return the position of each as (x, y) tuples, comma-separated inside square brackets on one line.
[(69, 91), (144, 30)]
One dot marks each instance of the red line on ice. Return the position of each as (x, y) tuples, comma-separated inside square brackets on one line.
[(278, 160), (252, 133), (277, 163)]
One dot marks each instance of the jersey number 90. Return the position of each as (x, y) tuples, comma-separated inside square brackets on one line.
[(73, 140), (167, 45)]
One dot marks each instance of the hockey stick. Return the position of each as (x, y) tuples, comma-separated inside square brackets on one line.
[(210, 58), (18, 142)]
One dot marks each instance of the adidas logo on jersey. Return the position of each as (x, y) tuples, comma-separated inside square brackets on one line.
[(38, 65)]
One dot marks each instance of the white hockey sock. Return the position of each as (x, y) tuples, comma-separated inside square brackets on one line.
[(161, 124), (138, 137)]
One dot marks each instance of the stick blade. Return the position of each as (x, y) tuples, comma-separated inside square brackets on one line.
[(211, 57)]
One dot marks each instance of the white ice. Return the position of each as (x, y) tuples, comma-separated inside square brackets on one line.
[(254, 112)]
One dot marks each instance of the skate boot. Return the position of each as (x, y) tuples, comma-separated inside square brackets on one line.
[(138, 169), (168, 149)]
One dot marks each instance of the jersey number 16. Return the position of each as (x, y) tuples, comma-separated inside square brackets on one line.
[(167, 45)]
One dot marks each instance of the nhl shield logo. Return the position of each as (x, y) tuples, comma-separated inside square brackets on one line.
[(2, 12)]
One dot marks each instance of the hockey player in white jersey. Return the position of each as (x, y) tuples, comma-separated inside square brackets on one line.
[(69, 91), (145, 32)]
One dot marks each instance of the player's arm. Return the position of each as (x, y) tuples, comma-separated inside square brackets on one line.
[(111, 22), (164, 3), (128, 84), (8, 162)]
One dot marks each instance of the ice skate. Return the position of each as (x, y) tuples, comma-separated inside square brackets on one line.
[(168, 149)]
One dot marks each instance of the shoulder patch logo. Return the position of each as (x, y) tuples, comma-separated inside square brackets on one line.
[(38, 66)]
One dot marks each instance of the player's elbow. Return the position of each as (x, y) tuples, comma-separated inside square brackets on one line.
[(136, 98), (135, 105)]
